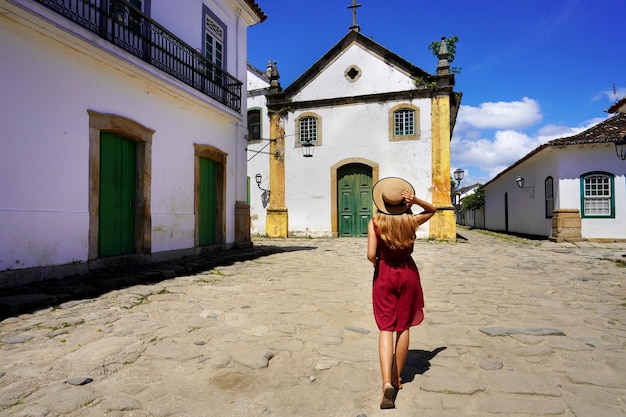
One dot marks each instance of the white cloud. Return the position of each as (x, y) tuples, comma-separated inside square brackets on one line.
[(551, 131), (486, 156), (505, 148), (610, 96), (501, 115)]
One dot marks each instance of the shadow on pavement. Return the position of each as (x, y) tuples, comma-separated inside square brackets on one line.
[(50, 293), (417, 363)]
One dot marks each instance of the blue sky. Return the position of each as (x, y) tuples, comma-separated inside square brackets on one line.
[(531, 70)]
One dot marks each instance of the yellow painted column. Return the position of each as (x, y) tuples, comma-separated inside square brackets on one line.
[(276, 221), (442, 226)]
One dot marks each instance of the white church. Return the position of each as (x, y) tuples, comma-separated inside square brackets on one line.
[(358, 114)]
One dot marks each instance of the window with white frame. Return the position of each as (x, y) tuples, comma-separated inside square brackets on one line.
[(549, 193), (307, 129), (214, 39), (597, 198), (404, 122)]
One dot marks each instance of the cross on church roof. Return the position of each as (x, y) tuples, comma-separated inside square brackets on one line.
[(354, 6)]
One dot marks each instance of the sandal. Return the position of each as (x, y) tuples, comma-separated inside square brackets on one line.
[(388, 396)]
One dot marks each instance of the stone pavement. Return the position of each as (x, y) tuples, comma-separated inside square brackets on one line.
[(513, 327)]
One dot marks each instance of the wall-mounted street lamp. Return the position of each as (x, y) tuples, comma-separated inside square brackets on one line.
[(265, 196), (258, 178), (200, 61), (529, 191), (119, 13), (620, 148), (307, 149)]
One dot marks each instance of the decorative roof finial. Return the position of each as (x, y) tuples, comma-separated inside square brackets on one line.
[(443, 67), (268, 69), (354, 6), (274, 83)]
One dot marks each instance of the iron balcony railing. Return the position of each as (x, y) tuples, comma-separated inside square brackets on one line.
[(124, 25)]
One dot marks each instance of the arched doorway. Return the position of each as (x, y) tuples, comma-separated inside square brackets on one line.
[(354, 199)]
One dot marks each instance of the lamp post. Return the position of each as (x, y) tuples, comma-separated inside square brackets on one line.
[(458, 176)]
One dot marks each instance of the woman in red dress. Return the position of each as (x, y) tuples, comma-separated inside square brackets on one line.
[(396, 292)]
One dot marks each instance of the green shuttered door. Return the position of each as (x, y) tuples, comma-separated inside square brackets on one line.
[(208, 189), (118, 174), (354, 199)]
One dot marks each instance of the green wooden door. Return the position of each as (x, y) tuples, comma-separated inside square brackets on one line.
[(207, 195), (118, 172), (354, 188)]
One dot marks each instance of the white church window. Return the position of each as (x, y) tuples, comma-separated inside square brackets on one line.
[(353, 73), (597, 195), (404, 122), (308, 129)]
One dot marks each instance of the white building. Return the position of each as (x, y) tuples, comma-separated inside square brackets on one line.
[(570, 188), (124, 132), (369, 114), (468, 217)]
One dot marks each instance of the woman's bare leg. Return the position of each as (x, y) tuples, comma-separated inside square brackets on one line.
[(402, 351), (385, 352)]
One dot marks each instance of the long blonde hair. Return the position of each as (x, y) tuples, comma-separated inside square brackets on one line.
[(397, 231)]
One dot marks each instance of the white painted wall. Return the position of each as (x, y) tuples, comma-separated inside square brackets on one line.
[(377, 76), (258, 162), (566, 165), (356, 131), (577, 161), (48, 84)]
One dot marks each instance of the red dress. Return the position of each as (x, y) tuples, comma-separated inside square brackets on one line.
[(397, 294)]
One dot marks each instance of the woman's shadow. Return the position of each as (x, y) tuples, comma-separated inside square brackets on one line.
[(417, 362)]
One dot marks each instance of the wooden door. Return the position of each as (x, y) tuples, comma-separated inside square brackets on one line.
[(354, 188), (118, 179), (207, 195)]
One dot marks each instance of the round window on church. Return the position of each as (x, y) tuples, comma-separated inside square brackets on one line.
[(352, 73)]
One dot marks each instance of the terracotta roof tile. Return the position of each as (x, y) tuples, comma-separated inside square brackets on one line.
[(610, 130), (616, 107)]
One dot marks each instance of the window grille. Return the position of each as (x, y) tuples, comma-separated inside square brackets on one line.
[(404, 122), (308, 129), (597, 196)]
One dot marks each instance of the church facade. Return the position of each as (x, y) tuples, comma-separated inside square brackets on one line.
[(364, 113)]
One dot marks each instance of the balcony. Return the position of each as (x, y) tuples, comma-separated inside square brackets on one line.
[(128, 28)]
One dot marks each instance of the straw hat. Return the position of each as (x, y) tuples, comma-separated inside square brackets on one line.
[(387, 195)]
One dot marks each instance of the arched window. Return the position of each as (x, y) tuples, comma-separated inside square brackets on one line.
[(549, 193), (597, 196)]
